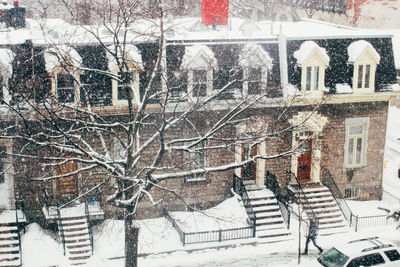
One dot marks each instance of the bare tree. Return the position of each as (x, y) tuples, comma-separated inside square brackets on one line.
[(158, 136)]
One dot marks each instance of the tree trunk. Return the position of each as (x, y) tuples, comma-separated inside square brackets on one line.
[(131, 239)]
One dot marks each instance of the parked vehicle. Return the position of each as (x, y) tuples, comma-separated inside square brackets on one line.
[(362, 252)]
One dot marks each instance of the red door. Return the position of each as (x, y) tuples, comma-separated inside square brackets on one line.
[(304, 161)]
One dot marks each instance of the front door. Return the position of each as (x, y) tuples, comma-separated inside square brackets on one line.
[(67, 187), (304, 161), (249, 170)]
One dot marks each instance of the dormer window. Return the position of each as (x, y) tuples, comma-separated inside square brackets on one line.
[(313, 61), (65, 88), (256, 63), (126, 72), (364, 58), (199, 62), (63, 63)]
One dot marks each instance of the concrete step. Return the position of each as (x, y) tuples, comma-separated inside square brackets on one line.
[(260, 194), (270, 214), (77, 240), (272, 233), (275, 239), (317, 195), (269, 221), (77, 245), (263, 202), (11, 242), (269, 208), (318, 200), (271, 226)]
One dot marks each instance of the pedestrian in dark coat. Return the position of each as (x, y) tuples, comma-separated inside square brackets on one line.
[(312, 235)]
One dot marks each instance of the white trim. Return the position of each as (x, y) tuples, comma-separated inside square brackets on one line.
[(365, 121)]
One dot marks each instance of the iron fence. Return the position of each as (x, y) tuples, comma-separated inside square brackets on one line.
[(212, 236), (360, 222)]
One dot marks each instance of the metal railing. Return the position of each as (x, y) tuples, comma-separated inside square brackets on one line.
[(361, 222), (271, 182), (60, 228), (240, 189), (301, 197), (212, 236), (89, 225), (328, 181)]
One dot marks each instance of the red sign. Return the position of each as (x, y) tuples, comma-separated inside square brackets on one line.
[(214, 12)]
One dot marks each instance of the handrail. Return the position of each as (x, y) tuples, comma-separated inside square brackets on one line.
[(89, 225), (271, 182), (60, 228), (300, 191), (17, 224), (328, 181), (240, 189)]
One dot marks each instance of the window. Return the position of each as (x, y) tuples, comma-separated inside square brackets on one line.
[(367, 260), (65, 88), (2, 163), (254, 81), (351, 193), (355, 144), (312, 79), (127, 78), (196, 160), (256, 63), (199, 63), (199, 83), (364, 76), (393, 255), (313, 61), (365, 59)]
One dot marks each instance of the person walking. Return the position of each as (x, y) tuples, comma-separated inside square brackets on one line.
[(312, 235)]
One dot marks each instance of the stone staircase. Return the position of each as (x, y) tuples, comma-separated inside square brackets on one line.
[(322, 202), (270, 225), (74, 231), (10, 250)]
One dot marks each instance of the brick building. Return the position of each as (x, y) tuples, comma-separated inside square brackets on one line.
[(322, 101)]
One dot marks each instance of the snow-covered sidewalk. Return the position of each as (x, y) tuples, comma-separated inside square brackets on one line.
[(160, 245)]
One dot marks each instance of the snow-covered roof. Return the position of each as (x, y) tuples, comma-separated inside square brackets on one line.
[(6, 59), (63, 53), (356, 48), (306, 49), (343, 88), (198, 56), (252, 54), (132, 54)]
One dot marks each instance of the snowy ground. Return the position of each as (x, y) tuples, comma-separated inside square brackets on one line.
[(159, 243)]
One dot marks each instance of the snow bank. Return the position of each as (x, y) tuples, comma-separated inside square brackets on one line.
[(290, 91), (40, 248), (355, 50)]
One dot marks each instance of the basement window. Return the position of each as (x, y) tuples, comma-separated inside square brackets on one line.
[(351, 192)]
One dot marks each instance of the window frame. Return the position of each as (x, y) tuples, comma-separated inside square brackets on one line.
[(354, 122), (192, 166), (192, 83), (366, 58), (73, 87), (116, 86)]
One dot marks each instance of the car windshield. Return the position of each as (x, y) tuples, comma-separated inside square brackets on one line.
[(333, 258)]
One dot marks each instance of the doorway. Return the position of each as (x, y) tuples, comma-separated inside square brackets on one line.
[(304, 161)]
